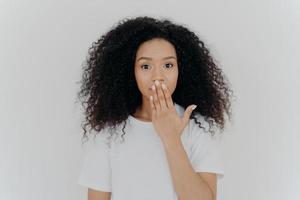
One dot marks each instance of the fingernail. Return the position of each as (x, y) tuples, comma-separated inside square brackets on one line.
[(163, 86), (193, 107), (153, 87), (156, 82)]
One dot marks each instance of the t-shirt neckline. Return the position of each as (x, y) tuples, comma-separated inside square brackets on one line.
[(140, 121)]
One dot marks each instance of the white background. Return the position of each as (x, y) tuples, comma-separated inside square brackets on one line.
[(43, 45)]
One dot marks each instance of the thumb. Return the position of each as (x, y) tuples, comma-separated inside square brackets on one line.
[(187, 113)]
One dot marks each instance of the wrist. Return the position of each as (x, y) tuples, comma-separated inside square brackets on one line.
[(171, 143)]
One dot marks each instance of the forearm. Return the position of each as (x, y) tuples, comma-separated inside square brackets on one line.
[(188, 184)]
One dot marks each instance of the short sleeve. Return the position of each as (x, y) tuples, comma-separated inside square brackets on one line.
[(96, 169), (206, 155)]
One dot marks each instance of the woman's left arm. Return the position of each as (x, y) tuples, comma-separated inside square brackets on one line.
[(189, 185)]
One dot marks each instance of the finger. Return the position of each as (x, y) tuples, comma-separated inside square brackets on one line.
[(161, 97), (168, 96), (152, 105), (155, 99)]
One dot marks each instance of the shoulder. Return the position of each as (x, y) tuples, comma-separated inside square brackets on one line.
[(97, 140), (199, 132)]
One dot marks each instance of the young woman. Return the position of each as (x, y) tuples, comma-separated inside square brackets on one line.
[(142, 81)]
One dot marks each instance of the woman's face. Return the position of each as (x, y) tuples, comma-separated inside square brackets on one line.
[(155, 60)]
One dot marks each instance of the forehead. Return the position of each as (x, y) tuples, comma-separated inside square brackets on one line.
[(156, 48)]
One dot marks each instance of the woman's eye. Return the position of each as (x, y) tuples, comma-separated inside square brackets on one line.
[(144, 65), (168, 64)]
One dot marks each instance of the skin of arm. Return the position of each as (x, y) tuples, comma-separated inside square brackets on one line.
[(98, 195), (188, 184)]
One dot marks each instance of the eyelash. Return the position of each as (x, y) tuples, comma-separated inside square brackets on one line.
[(167, 63)]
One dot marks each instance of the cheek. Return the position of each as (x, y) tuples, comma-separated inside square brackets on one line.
[(173, 82), (142, 81)]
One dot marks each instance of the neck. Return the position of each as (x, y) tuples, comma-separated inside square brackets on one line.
[(144, 112)]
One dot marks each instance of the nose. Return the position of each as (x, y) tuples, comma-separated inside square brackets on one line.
[(160, 81), (157, 75)]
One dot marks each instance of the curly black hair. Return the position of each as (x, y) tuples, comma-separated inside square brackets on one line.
[(109, 91)]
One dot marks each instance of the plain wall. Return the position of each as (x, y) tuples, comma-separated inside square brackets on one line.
[(43, 46)]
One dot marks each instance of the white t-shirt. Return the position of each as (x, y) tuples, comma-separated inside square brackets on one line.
[(137, 168)]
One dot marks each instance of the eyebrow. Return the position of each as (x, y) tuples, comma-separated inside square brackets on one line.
[(148, 58)]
